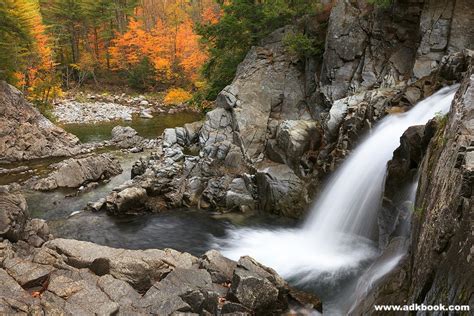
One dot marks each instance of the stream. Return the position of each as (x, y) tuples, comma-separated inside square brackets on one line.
[(186, 230)]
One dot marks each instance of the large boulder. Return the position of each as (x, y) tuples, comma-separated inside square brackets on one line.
[(26, 134), (75, 172), (15, 224), (293, 139), (130, 200), (280, 191), (268, 85), (368, 46), (13, 214)]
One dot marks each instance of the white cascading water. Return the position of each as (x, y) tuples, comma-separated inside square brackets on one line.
[(333, 242)]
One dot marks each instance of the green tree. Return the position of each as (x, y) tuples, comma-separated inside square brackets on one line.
[(15, 36), (244, 23)]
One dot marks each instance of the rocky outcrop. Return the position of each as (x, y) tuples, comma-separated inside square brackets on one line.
[(441, 247), (76, 172), (68, 276), (446, 27), (369, 47), (15, 224), (26, 134)]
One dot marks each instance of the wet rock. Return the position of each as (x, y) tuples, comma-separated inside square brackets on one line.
[(139, 167), (96, 206), (26, 134), (440, 251), (280, 191), (75, 172)]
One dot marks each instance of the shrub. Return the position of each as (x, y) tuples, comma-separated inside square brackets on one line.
[(303, 46), (177, 96)]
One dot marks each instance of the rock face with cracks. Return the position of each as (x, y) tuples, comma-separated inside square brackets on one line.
[(25, 134)]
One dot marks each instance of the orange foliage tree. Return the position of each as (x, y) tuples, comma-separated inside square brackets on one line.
[(171, 44), (39, 79)]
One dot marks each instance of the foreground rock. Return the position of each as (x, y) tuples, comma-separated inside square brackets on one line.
[(15, 224), (26, 134), (64, 276), (76, 172), (82, 278)]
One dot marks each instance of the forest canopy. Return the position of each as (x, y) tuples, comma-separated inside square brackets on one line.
[(47, 46)]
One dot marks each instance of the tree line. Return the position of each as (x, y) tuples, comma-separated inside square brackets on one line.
[(50, 45)]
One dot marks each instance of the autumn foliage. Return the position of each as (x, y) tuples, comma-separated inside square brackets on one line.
[(147, 44), (177, 96), (171, 45)]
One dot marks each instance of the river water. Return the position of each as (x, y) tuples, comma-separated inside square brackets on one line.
[(186, 230)]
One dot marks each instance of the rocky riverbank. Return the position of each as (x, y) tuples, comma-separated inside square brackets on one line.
[(40, 274), (92, 108)]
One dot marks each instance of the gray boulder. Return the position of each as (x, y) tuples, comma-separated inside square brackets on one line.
[(126, 137), (280, 191), (14, 213), (75, 172), (128, 200)]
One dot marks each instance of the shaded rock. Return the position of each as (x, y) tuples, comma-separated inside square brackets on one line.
[(192, 131), (280, 191), (239, 197), (13, 215), (26, 273), (13, 298), (293, 139), (219, 267), (253, 291)]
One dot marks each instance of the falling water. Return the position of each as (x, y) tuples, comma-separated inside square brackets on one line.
[(334, 241)]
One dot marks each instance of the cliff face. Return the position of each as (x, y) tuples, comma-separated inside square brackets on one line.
[(442, 245), (437, 267), (26, 134)]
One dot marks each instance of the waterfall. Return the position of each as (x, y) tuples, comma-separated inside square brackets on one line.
[(334, 240)]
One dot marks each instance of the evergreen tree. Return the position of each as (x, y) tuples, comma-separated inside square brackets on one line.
[(15, 36), (243, 24)]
